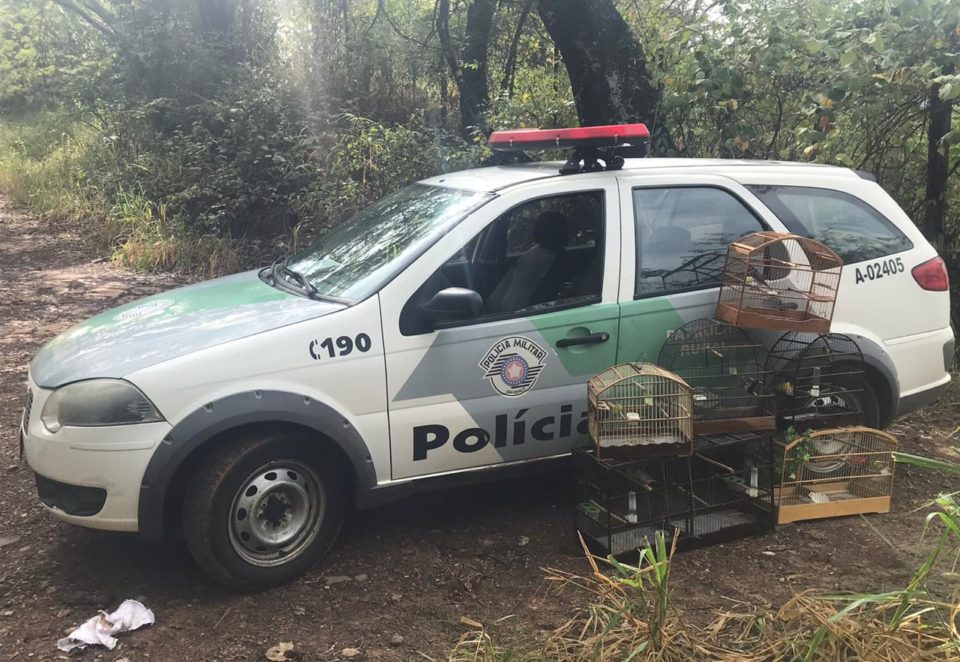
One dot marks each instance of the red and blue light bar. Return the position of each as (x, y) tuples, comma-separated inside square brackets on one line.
[(613, 135)]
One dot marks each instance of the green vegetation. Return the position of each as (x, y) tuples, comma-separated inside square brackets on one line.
[(630, 616), (209, 134)]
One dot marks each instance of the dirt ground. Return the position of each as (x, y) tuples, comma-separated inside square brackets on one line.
[(412, 568)]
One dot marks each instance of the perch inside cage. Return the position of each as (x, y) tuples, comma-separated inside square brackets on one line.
[(637, 406), (835, 472), (779, 281), (818, 381), (725, 367)]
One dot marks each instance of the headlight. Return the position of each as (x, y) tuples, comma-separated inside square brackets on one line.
[(97, 402)]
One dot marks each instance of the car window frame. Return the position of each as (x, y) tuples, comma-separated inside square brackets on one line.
[(606, 224), (764, 226)]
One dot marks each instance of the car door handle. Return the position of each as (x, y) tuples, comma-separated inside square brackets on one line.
[(592, 339)]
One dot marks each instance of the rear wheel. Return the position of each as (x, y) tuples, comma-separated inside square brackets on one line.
[(262, 510), (871, 406)]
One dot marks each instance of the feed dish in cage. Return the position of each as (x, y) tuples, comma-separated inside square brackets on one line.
[(639, 408), (723, 491), (818, 381), (835, 472), (779, 282), (725, 367)]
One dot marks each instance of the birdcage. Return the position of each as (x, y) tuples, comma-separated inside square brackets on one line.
[(818, 381), (725, 367), (721, 492), (779, 282), (835, 472), (639, 409)]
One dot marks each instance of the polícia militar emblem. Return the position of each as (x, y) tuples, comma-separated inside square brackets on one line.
[(513, 365)]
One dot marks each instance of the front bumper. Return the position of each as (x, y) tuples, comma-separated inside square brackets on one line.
[(77, 466)]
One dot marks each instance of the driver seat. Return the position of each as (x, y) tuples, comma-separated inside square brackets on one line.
[(538, 274)]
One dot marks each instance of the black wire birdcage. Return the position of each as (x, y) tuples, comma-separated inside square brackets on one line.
[(721, 492), (818, 381), (725, 367)]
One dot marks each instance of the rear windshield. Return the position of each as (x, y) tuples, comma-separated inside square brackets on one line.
[(852, 228)]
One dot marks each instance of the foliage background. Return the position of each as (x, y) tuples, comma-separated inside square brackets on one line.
[(207, 135)]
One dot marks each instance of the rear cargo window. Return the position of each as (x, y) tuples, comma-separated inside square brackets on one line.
[(855, 230)]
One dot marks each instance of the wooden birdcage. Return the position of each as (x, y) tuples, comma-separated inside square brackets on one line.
[(835, 472), (725, 368), (721, 492), (818, 381), (779, 282), (639, 408)]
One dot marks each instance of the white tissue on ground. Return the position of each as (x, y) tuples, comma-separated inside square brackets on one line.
[(100, 629)]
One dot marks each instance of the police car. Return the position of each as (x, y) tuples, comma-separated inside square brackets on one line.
[(443, 334)]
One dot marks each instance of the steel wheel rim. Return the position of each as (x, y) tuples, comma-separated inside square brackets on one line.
[(836, 399), (277, 513)]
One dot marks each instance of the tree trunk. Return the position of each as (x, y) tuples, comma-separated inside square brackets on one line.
[(470, 69), (510, 66), (606, 65), (938, 170)]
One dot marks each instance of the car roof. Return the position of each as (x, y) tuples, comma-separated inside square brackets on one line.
[(496, 178)]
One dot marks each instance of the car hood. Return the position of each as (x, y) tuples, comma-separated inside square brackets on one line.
[(168, 325)]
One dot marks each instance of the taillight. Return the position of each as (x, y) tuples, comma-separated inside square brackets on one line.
[(932, 275)]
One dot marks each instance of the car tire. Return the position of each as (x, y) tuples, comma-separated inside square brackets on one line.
[(871, 406), (262, 510)]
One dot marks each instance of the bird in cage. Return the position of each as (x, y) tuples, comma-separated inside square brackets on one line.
[(752, 386)]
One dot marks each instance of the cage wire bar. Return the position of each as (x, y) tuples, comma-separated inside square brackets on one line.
[(818, 381), (835, 472), (721, 492), (639, 408), (779, 282), (726, 369)]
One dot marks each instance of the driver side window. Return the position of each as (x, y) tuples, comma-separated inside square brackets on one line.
[(541, 255), (682, 236)]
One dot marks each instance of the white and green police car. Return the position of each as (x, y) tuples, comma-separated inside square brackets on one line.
[(443, 334)]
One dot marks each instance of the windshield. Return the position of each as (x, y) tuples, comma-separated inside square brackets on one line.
[(355, 258)]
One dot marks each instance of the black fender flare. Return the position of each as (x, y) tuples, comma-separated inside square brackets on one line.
[(234, 411), (876, 358)]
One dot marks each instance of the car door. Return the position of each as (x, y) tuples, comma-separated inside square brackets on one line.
[(507, 384), (676, 230)]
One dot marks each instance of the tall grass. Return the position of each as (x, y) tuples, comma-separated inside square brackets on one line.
[(45, 161), (68, 170), (630, 615)]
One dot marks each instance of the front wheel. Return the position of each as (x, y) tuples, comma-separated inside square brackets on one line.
[(262, 510)]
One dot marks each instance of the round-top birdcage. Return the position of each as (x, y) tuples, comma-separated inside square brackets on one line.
[(779, 282), (836, 471), (724, 366), (639, 406), (818, 381)]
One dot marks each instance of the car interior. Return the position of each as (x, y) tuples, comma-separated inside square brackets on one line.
[(542, 254)]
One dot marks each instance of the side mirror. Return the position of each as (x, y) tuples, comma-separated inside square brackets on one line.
[(454, 304)]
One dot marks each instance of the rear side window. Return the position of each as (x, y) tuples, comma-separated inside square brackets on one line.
[(853, 229), (682, 236)]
